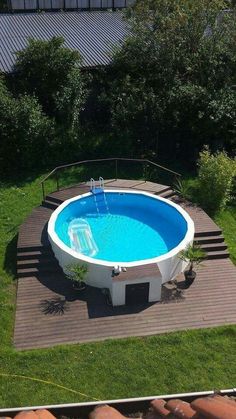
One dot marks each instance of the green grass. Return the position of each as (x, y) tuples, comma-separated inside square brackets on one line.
[(227, 221), (177, 362)]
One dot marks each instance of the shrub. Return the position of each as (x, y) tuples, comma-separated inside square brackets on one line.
[(216, 173), (26, 134), (51, 72)]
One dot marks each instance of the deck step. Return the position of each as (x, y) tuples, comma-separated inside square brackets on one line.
[(211, 247), (27, 263), (41, 254), (163, 190), (216, 232), (222, 254), (52, 198), (26, 272), (167, 194), (209, 239), (50, 204), (37, 248)]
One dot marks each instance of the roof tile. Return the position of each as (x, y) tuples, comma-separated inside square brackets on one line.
[(181, 409), (105, 412), (44, 414), (29, 414), (159, 407), (225, 399), (214, 408)]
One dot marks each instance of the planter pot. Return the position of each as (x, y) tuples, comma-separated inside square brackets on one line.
[(79, 286), (189, 277)]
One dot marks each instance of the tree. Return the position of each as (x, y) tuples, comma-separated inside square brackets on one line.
[(26, 134), (51, 72), (175, 77)]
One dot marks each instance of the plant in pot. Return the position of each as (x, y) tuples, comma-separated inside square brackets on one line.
[(76, 274), (194, 255)]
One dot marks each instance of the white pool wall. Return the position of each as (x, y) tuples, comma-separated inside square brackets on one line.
[(100, 271)]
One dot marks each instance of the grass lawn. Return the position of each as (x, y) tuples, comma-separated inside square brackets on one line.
[(227, 221), (177, 362)]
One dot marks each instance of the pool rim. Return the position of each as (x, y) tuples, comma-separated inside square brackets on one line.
[(188, 238)]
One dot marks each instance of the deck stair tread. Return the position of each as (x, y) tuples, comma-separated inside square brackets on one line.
[(50, 204), (209, 239), (222, 254), (37, 261), (44, 253), (53, 199), (213, 246), (21, 250), (166, 194), (202, 233), (23, 272), (210, 301)]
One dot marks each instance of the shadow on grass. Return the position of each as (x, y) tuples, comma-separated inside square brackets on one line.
[(10, 257)]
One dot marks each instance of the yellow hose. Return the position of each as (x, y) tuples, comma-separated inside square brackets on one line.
[(47, 382)]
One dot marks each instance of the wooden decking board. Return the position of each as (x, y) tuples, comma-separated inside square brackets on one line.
[(117, 326), (210, 301)]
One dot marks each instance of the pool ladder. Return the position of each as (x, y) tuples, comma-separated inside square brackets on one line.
[(99, 196), (93, 184)]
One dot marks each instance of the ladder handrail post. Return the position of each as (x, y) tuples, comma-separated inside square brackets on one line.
[(101, 182), (92, 184), (57, 180), (116, 168)]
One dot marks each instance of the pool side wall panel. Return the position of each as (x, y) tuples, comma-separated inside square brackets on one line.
[(98, 275)]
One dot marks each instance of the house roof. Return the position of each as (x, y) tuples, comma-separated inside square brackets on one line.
[(92, 33)]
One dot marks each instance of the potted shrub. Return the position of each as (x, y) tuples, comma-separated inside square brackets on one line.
[(194, 255), (76, 274)]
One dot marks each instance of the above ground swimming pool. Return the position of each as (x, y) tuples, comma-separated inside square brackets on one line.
[(114, 227)]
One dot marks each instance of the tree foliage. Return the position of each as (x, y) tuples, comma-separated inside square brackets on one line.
[(26, 134), (176, 77), (40, 111), (51, 72)]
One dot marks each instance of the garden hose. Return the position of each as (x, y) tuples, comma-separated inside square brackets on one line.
[(47, 382)]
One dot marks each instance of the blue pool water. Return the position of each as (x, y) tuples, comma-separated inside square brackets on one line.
[(120, 227)]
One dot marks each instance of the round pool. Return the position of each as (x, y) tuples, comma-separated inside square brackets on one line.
[(119, 228)]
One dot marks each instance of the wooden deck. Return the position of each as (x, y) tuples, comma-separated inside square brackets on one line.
[(49, 312)]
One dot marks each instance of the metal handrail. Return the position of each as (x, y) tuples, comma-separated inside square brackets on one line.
[(116, 159)]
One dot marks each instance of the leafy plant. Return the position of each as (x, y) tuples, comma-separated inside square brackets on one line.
[(174, 84), (193, 254), (215, 175), (51, 72), (26, 133), (181, 187), (76, 273)]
